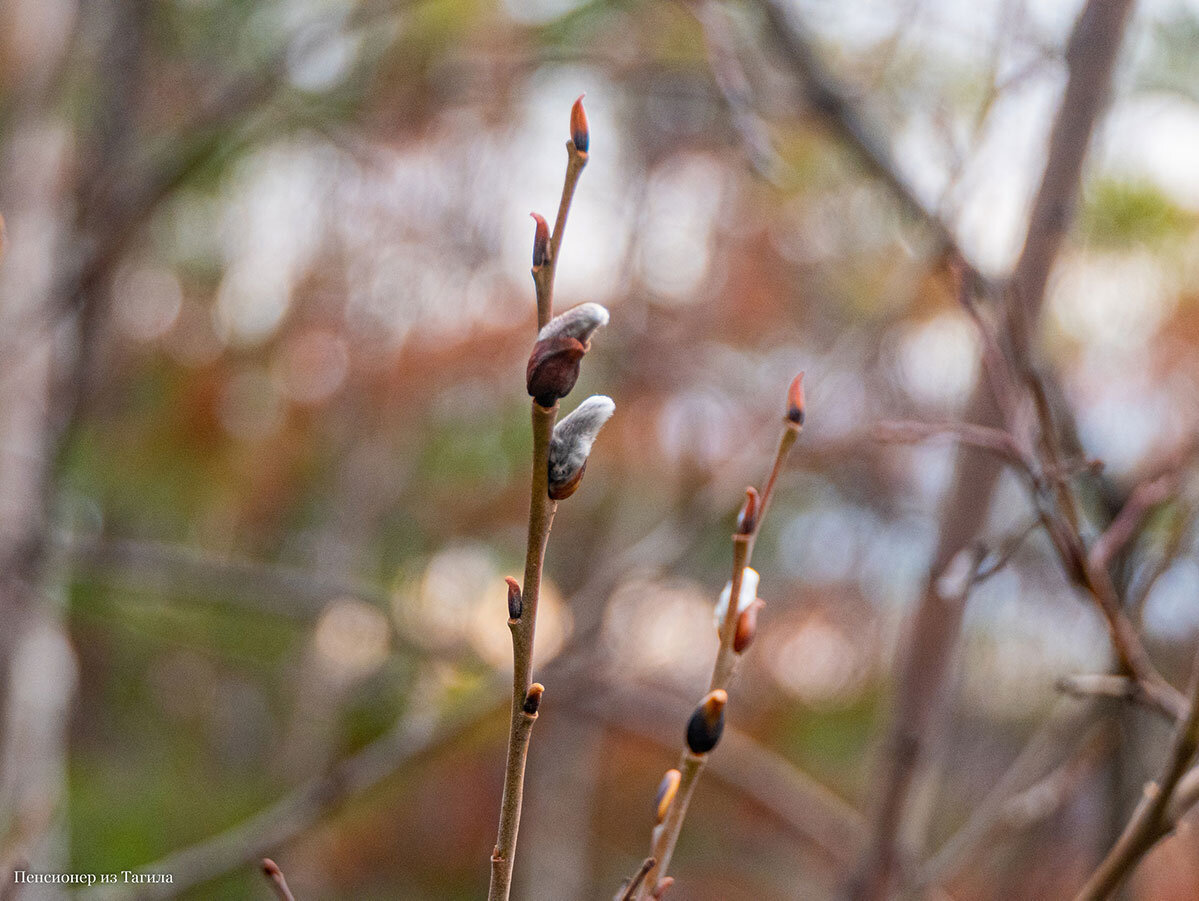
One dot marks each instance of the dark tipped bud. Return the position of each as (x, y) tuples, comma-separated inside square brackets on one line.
[(515, 604), (667, 789), (541, 241), (747, 519), (270, 867), (747, 626), (571, 443), (707, 723), (795, 405), (553, 369), (533, 699), (554, 364), (580, 133)]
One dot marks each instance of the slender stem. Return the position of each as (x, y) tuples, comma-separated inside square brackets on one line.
[(543, 276), (541, 518), (1151, 820), (666, 835)]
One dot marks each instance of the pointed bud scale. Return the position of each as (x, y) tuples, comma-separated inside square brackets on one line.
[(748, 594), (533, 699), (553, 369), (707, 723), (667, 789), (663, 887), (747, 519), (747, 626), (571, 443), (578, 322), (580, 133), (515, 604), (541, 241), (795, 402)]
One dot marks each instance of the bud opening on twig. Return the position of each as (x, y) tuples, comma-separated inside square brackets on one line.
[(571, 443), (747, 519), (555, 361), (747, 626), (795, 402), (580, 132), (667, 789), (707, 723), (533, 699), (746, 597), (515, 603), (541, 241)]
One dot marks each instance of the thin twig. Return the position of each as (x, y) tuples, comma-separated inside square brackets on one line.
[(1150, 821), (634, 885), (691, 764), (541, 518), (1107, 685)]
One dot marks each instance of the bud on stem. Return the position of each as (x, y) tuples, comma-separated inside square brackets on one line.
[(580, 132), (533, 699), (541, 241), (515, 603), (707, 722), (571, 443), (795, 403), (667, 789)]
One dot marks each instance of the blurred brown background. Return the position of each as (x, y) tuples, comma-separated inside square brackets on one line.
[(264, 317)]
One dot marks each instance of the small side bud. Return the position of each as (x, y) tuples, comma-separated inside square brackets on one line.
[(571, 443), (747, 626), (667, 789), (533, 699), (795, 402), (747, 519), (515, 603), (748, 594), (707, 723), (580, 132), (553, 369), (662, 888), (541, 241)]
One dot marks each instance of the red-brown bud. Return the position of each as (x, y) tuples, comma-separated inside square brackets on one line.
[(707, 722), (795, 402), (515, 603), (533, 699), (747, 626), (541, 241), (667, 789), (554, 368), (580, 133), (662, 888), (747, 519)]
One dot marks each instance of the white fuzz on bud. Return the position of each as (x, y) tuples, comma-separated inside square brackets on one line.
[(572, 440), (749, 593), (578, 322)]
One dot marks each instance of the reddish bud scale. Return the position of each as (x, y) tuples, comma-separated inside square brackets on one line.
[(667, 789), (553, 368), (747, 626), (747, 519), (795, 401), (515, 602), (580, 132), (533, 699), (541, 241), (663, 887), (707, 723), (560, 491)]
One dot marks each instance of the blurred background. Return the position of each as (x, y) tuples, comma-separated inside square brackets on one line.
[(264, 444)]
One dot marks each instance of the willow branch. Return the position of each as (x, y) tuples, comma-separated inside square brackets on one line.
[(541, 518), (691, 764)]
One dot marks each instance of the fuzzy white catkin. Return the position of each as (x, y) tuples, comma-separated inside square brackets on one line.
[(578, 322), (574, 436), (749, 592)]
